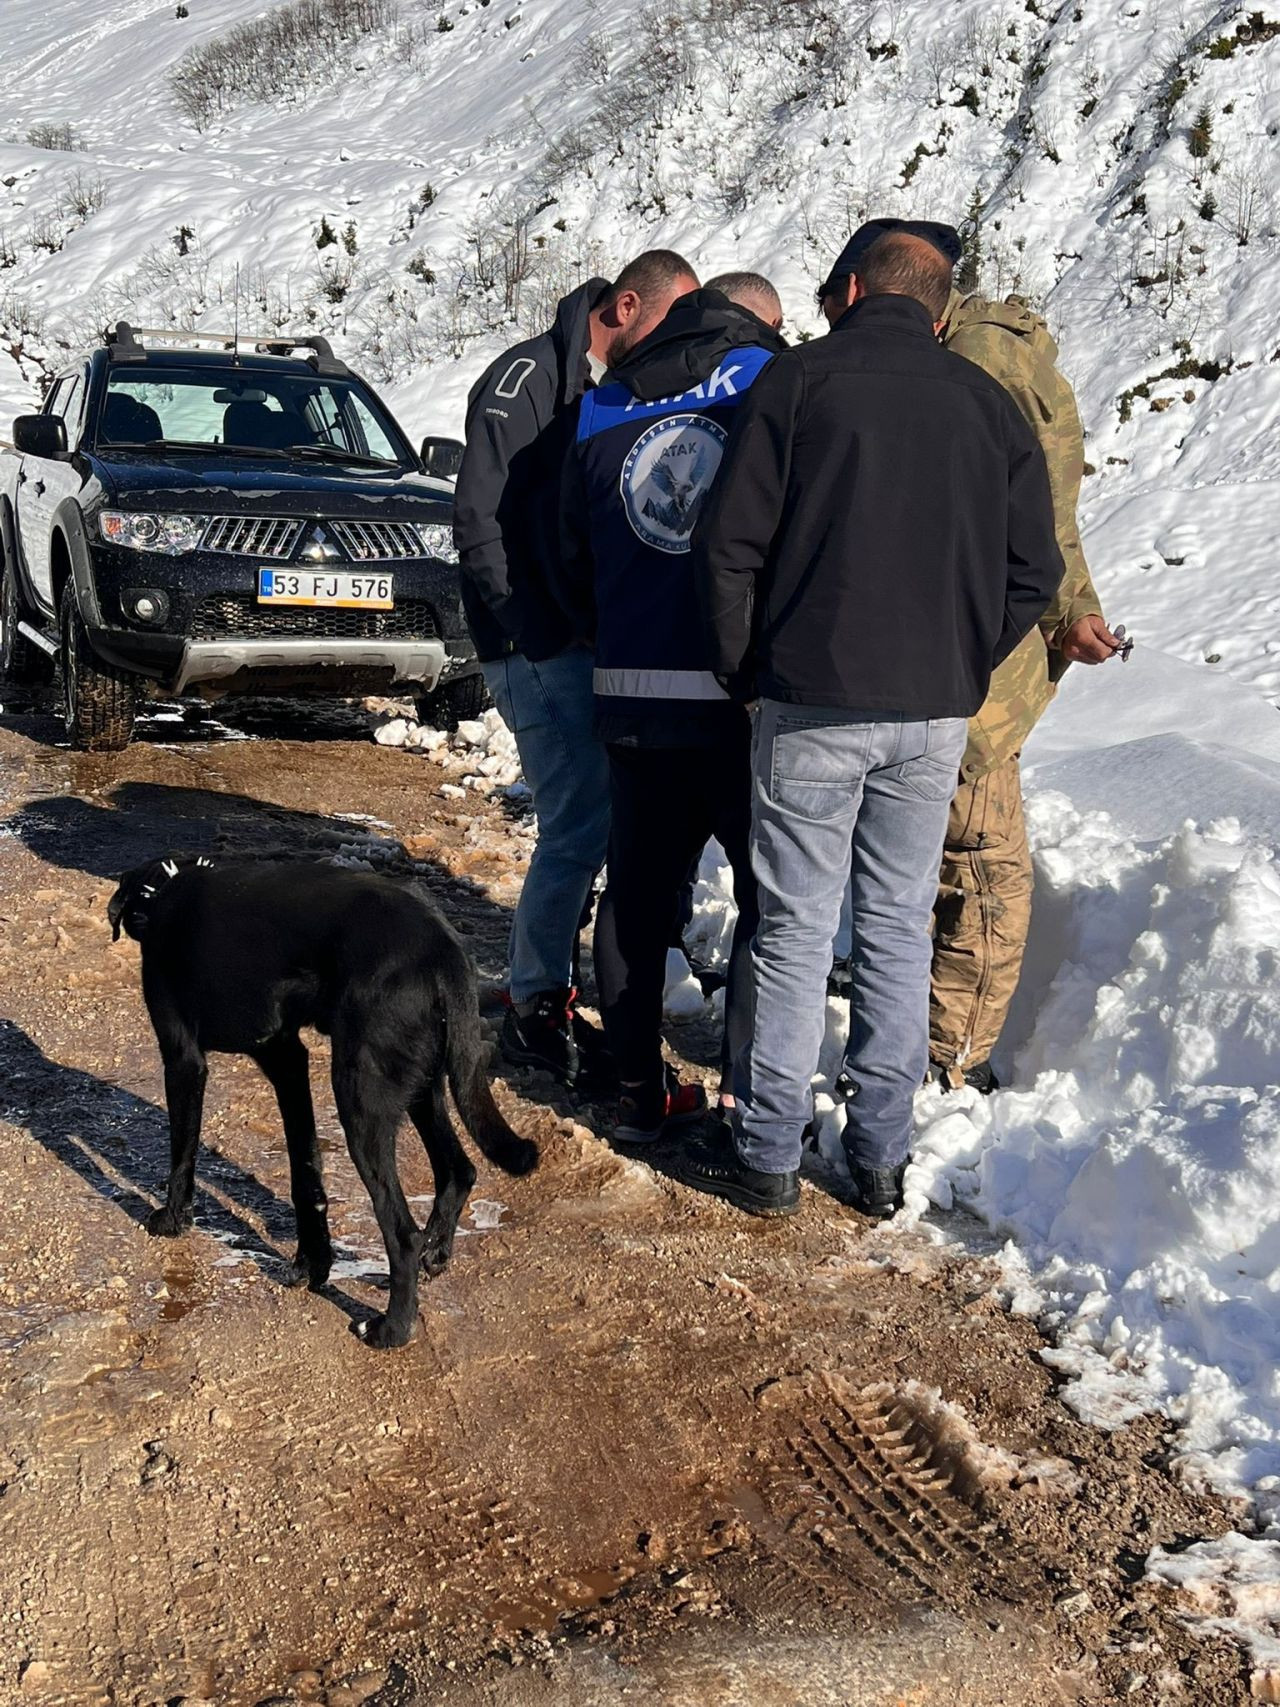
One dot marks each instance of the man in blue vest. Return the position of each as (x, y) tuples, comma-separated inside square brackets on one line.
[(646, 452)]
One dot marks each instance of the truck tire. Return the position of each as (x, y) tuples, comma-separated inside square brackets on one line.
[(454, 702), (22, 662), (98, 702)]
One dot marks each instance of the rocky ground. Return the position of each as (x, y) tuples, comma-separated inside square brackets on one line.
[(640, 1449)]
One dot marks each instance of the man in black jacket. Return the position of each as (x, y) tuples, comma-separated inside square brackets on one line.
[(881, 536), (644, 459), (506, 528)]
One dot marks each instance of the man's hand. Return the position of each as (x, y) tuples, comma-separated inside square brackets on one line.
[(1089, 641)]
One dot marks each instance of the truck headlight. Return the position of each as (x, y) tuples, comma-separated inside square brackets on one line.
[(437, 540), (140, 531)]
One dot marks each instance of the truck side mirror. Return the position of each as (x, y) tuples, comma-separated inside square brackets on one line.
[(442, 458), (40, 435)]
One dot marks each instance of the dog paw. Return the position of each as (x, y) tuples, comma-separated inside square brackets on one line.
[(434, 1261), (312, 1272), (164, 1224), (381, 1333)]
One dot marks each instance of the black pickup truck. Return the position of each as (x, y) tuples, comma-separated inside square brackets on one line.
[(248, 518)]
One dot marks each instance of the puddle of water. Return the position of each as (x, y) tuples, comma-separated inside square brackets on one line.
[(543, 1608), (749, 1503), (183, 1291)]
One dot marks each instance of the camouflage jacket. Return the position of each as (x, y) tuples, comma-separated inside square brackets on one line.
[(1013, 344)]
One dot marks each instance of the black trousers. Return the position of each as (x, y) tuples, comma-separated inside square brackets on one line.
[(667, 803)]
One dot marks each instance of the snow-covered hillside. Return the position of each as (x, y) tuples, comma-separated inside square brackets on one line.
[(422, 180)]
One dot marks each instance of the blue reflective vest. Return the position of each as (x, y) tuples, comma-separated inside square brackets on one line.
[(646, 470)]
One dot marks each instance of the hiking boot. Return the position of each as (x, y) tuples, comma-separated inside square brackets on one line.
[(877, 1192), (648, 1112), (547, 1031), (539, 1033), (713, 1165), (597, 1070), (978, 1077)]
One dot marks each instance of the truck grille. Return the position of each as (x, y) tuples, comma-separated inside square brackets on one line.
[(253, 536), (377, 542), (238, 616)]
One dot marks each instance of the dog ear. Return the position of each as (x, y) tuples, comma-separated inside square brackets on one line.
[(123, 899), (127, 907)]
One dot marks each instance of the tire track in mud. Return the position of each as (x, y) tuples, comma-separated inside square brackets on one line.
[(873, 1496)]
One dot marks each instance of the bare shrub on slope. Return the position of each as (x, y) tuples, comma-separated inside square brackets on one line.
[(60, 138), (277, 54)]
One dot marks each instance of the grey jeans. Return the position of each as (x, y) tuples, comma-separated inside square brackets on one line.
[(843, 803)]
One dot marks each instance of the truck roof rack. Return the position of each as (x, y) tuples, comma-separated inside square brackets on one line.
[(124, 344)]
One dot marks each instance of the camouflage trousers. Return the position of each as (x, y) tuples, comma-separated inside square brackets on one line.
[(981, 918)]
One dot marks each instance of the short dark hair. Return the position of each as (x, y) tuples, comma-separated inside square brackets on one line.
[(649, 274), (904, 265)]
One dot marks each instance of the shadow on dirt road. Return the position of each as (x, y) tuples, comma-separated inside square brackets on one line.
[(118, 1143)]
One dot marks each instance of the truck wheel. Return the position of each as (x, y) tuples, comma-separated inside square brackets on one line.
[(98, 702), (22, 662), (454, 702)]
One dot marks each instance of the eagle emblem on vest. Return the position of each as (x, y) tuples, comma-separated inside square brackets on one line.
[(666, 478)]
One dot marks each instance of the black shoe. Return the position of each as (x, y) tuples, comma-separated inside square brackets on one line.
[(877, 1192), (539, 1033), (840, 977), (979, 1077), (648, 1112), (597, 1070), (714, 1166), (548, 1032)]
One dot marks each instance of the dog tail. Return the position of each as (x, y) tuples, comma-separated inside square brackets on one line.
[(469, 1081)]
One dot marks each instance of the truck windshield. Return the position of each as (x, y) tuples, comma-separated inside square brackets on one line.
[(261, 412)]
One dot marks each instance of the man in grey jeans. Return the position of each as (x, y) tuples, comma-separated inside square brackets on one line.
[(880, 537)]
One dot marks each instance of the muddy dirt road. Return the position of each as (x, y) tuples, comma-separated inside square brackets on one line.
[(639, 1450)]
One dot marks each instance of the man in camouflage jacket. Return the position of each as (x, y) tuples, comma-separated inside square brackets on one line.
[(983, 910)]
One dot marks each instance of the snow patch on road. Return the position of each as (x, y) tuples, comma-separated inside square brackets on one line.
[(481, 753), (1229, 1587)]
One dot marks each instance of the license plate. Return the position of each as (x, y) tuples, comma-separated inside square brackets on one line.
[(324, 587)]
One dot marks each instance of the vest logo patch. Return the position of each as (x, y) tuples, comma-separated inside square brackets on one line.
[(666, 478)]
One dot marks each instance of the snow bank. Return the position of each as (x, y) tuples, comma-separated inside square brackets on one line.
[(1137, 1164), (481, 753)]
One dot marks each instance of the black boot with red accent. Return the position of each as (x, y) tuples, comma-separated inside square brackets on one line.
[(649, 1112), (547, 1032)]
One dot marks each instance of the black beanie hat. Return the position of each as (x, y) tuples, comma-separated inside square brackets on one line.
[(945, 239)]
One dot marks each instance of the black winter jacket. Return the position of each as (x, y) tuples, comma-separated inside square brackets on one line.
[(506, 506), (881, 534)]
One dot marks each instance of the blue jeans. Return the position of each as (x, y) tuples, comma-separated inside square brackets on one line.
[(549, 708), (843, 803)]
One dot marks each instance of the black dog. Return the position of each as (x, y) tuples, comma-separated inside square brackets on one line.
[(237, 957)]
